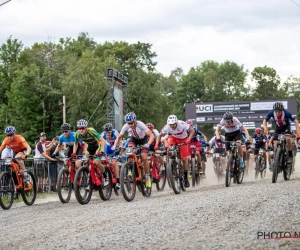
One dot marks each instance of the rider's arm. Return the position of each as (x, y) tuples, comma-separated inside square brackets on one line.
[(191, 132), (101, 146), (204, 137), (151, 137), (246, 132), (217, 132), (75, 147), (117, 141)]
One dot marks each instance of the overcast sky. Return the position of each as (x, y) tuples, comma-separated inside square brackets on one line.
[(183, 32)]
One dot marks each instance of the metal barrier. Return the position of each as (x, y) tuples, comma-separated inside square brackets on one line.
[(45, 172)]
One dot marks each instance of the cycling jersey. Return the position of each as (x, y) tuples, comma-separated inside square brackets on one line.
[(203, 144), (91, 137), (259, 139), (155, 134), (67, 140), (180, 132), (197, 133), (17, 145), (214, 143), (234, 126), (110, 139), (138, 132), (281, 120)]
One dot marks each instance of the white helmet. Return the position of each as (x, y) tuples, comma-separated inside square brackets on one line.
[(172, 119)]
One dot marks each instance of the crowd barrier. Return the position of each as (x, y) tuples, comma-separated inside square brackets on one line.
[(45, 172)]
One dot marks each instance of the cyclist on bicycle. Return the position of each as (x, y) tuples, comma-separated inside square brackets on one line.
[(232, 128), (19, 146), (110, 135), (260, 143), (151, 147), (218, 148), (179, 134), (67, 137), (94, 144), (195, 141), (282, 118), (139, 136)]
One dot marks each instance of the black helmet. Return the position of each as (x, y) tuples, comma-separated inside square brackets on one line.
[(278, 106), (228, 116), (65, 126), (108, 127)]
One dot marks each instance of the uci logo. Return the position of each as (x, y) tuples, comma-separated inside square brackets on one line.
[(204, 108)]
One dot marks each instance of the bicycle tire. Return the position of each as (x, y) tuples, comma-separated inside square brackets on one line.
[(105, 192), (171, 175), (257, 167), (160, 184), (193, 169), (126, 179), (83, 181), (6, 188), (64, 184), (276, 167), (228, 171), (25, 193)]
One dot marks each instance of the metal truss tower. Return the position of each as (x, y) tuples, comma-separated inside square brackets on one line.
[(114, 110)]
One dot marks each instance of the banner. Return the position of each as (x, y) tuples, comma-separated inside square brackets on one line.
[(245, 111)]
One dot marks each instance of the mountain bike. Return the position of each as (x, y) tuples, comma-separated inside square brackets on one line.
[(132, 174), (89, 177), (11, 184), (175, 173), (158, 172), (233, 169), (280, 161), (260, 165), (194, 167), (65, 180)]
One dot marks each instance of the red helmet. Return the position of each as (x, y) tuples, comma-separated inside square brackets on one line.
[(150, 126), (258, 130), (189, 122)]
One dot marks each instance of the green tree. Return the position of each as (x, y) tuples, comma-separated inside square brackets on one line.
[(267, 83)]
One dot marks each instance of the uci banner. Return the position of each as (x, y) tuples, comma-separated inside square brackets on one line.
[(245, 111)]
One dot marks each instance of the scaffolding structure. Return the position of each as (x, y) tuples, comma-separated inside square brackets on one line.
[(115, 111)]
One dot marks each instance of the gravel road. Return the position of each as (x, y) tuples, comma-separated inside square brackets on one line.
[(208, 217)]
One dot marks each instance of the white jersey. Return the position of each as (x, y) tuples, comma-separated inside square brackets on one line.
[(213, 142), (180, 132), (234, 126), (138, 132), (155, 133)]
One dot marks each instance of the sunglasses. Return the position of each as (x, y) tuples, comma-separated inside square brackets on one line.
[(81, 128), (9, 135), (129, 123), (65, 131)]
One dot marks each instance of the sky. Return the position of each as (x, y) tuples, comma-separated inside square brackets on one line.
[(183, 33)]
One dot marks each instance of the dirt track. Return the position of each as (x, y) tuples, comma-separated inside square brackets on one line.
[(208, 217)]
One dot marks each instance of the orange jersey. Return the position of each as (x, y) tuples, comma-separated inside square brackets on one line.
[(17, 145)]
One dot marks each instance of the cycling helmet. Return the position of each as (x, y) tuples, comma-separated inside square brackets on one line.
[(258, 130), (65, 126), (10, 130), (150, 126), (172, 119), (130, 117), (189, 122), (82, 123), (228, 116), (108, 127), (278, 106)]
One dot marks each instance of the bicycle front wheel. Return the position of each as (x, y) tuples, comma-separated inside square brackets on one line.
[(173, 176), (105, 191), (128, 181), (6, 190), (29, 190), (64, 185), (83, 185)]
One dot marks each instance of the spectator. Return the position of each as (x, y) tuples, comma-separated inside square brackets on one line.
[(53, 165), (40, 164)]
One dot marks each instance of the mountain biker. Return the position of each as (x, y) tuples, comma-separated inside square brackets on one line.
[(179, 134), (282, 118), (19, 146), (139, 136), (260, 143), (232, 128), (94, 144), (110, 135)]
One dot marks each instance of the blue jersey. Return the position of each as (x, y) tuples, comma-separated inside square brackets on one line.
[(110, 139), (67, 140), (259, 139), (282, 120), (197, 133), (203, 144)]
